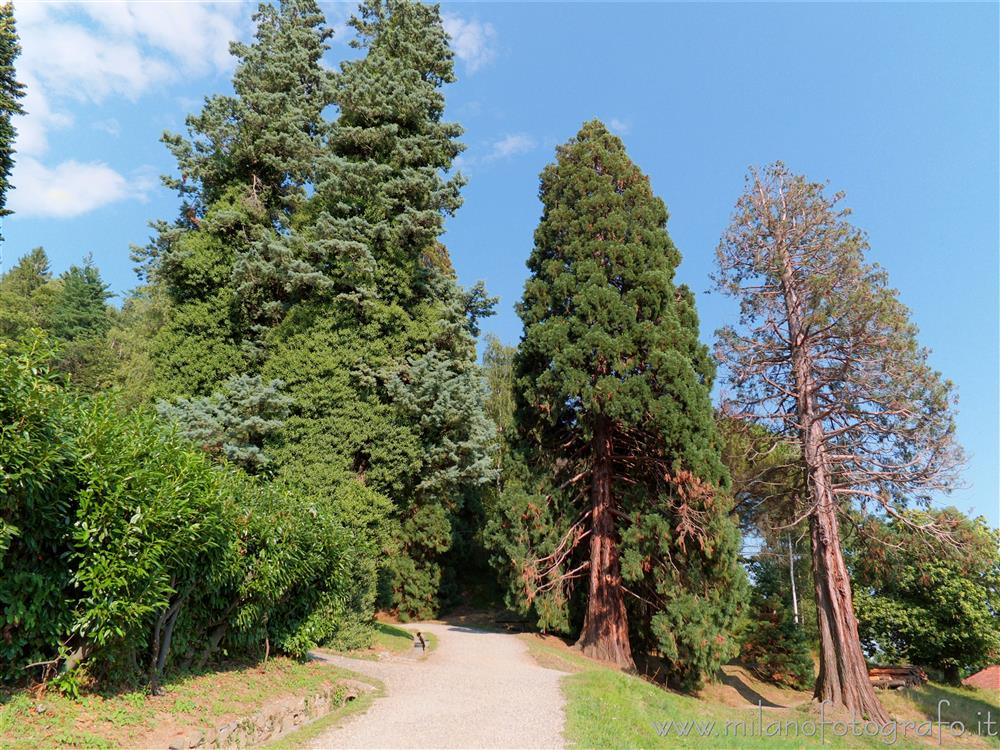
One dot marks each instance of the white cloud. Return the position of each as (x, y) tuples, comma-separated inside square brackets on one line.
[(32, 130), (511, 145), (505, 148), (71, 61), (92, 52), (70, 189), (474, 42), (621, 127), (195, 35)]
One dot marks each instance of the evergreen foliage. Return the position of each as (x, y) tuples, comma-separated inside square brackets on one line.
[(610, 351), (774, 645), (235, 421), (11, 91), (446, 406), (385, 331), (26, 295), (389, 148), (72, 309), (306, 252), (80, 311), (526, 519), (265, 138)]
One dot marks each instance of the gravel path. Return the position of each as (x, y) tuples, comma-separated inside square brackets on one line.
[(475, 690)]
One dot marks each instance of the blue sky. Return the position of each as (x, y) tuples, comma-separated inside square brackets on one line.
[(896, 104)]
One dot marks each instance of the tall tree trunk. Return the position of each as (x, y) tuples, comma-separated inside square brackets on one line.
[(843, 674), (605, 626)]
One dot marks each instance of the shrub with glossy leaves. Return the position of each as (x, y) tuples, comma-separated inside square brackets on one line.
[(123, 547)]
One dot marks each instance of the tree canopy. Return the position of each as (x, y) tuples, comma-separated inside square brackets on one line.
[(613, 406)]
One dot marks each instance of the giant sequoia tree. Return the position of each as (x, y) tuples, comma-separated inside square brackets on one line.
[(613, 391), (828, 357)]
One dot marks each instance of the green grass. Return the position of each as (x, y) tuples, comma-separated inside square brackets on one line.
[(128, 719), (606, 708), (967, 705), (392, 638)]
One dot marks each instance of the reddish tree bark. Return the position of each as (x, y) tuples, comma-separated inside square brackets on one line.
[(829, 359), (843, 673), (605, 626)]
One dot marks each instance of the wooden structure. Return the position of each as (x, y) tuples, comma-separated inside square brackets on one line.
[(894, 678)]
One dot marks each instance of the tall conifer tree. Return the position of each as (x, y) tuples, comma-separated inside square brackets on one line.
[(11, 91), (380, 354), (307, 252), (826, 356), (614, 400), (244, 168)]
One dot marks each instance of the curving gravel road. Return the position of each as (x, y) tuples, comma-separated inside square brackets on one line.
[(475, 690)]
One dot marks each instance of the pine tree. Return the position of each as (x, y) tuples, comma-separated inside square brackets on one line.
[(443, 398), (30, 273), (265, 138), (79, 320), (613, 391), (11, 91), (80, 310), (246, 179), (71, 309), (307, 252), (26, 295), (827, 356), (389, 146), (244, 170)]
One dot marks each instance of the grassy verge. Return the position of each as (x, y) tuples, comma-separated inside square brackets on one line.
[(392, 638), (314, 729), (431, 640), (136, 719), (967, 705), (606, 708)]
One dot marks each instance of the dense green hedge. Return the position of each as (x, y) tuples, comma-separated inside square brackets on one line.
[(125, 550)]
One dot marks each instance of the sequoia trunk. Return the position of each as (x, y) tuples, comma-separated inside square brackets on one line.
[(843, 674), (605, 626)]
